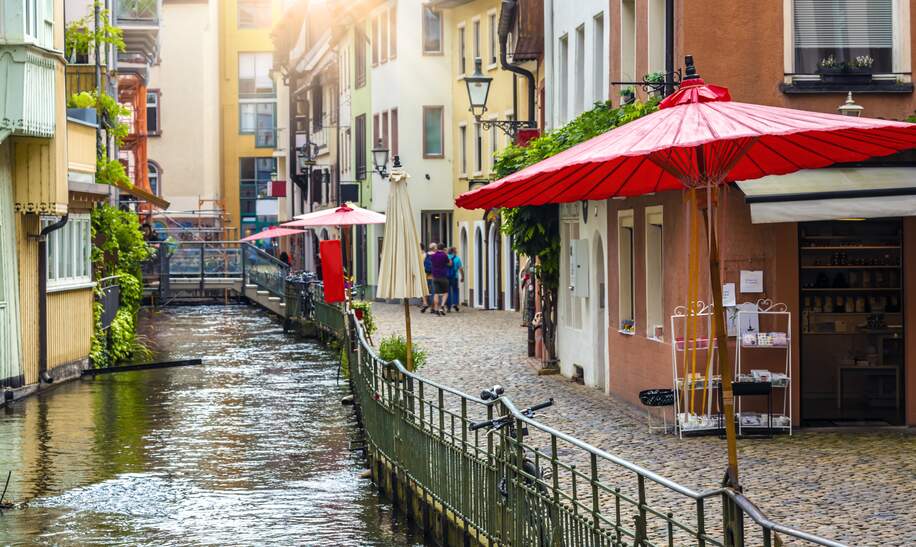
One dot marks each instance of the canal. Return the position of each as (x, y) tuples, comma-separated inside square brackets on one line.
[(250, 448)]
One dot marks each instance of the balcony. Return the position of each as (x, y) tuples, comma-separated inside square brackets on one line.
[(139, 19), (27, 92)]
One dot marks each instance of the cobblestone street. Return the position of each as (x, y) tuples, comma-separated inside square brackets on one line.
[(859, 488)]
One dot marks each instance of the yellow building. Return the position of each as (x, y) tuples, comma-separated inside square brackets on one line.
[(490, 265), (45, 237), (248, 114)]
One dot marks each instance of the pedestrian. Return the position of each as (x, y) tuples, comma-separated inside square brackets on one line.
[(439, 267), (427, 267), (456, 276), (284, 258)]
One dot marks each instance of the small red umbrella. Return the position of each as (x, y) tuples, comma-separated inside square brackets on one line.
[(699, 138), (271, 232)]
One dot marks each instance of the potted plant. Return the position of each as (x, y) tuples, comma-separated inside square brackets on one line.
[(834, 71)]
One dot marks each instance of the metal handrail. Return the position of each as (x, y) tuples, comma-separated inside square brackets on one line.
[(401, 399)]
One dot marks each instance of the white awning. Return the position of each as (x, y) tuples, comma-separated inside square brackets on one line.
[(832, 194)]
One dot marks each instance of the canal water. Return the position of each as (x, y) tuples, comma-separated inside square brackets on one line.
[(251, 448)]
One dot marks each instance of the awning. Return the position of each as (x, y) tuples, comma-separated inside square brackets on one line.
[(832, 194), (143, 195)]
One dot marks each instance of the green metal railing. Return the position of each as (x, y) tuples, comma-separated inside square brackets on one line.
[(546, 488)]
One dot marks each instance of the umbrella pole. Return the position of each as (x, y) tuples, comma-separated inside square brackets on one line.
[(409, 338), (728, 401)]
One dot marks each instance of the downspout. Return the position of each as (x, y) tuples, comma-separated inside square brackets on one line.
[(43, 297), (506, 17), (669, 47)]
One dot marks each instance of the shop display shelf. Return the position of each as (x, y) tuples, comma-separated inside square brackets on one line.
[(849, 247)]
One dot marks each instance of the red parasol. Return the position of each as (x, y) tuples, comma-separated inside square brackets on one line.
[(698, 139), (345, 215), (272, 232)]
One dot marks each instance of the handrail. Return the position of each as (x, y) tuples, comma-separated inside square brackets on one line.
[(738, 501)]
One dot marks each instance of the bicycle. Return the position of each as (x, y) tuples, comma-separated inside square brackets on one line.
[(534, 499)]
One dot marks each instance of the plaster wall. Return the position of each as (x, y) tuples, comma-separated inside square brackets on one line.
[(187, 79)]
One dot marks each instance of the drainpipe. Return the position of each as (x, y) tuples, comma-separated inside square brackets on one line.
[(506, 16), (669, 47), (43, 297)]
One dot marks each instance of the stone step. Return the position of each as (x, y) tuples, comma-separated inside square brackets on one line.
[(274, 298), (262, 293)]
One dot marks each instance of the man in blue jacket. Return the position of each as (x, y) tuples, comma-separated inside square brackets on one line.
[(456, 275)]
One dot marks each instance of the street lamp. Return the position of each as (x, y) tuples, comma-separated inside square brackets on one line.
[(850, 108), (380, 159), (478, 92)]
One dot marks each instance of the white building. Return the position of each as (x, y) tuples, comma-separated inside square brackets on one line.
[(411, 102), (576, 50)]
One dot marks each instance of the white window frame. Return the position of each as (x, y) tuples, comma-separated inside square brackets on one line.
[(493, 39), (477, 143), (655, 217), (625, 219), (69, 263), (461, 36), (463, 149), (476, 38), (901, 52)]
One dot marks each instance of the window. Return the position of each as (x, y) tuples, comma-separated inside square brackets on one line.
[(375, 44), (394, 133), (657, 15), (494, 39), (31, 18), (317, 95), (478, 148), (385, 136), (655, 276), (463, 149), (433, 146), (628, 40), (845, 30), (462, 52), (580, 70), (432, 31), (254, 13), (152, 112), (476, 40), (254, 75), (383, 37), (563, 79), (599, 91), (259, 119), (436, 227), (361, 57), (69, 253), (626, 241), (376, 129), (393, 31), (494, 145), (254, 183), (155, 179), (361, 147)]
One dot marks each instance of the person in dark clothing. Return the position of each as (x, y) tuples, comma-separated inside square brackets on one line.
[(440, 266), (284, 258), (427, 267)]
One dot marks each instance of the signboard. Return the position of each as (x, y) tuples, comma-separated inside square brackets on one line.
[(751, 281)]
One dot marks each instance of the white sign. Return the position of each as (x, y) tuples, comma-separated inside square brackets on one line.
[(752, 281), (728, 295)]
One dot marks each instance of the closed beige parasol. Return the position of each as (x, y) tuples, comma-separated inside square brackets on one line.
[(401, 273)]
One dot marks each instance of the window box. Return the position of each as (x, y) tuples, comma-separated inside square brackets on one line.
[(800, 87), (845, 75)]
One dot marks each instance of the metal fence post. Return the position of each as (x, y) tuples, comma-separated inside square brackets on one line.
[(244, 259), (202, 271)]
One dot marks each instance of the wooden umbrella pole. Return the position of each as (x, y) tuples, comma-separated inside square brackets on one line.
[(728, 400), (409, 338)]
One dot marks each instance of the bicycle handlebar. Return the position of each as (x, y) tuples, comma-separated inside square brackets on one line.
[(474, 426)]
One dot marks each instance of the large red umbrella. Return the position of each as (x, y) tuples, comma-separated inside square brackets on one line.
[(698, 139), (271, 232), (345, 215)]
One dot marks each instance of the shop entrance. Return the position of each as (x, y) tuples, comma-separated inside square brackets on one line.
[(852, 343)]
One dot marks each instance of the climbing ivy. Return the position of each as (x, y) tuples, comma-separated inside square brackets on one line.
[(118, 250), (535, 230), (80, 38)]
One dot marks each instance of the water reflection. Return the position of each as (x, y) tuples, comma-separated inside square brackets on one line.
[(251, 448)]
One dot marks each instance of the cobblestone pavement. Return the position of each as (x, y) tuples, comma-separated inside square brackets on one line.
[(859, 488)]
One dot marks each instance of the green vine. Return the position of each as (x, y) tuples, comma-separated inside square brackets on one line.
[(118, 250), (109, 111), (80, 38), (535, 230)]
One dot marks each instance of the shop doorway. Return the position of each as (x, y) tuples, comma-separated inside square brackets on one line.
[(851, 281), (463, 253), (493, 268), (478, 267), (599, 334)]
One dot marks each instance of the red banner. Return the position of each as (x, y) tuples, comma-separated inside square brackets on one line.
[(332, 271)]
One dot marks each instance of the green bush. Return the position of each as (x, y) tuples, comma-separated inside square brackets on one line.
[(395, 347), (365, 309)]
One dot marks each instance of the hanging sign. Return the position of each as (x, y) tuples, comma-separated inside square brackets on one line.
[(332, 271), (752, 281)]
